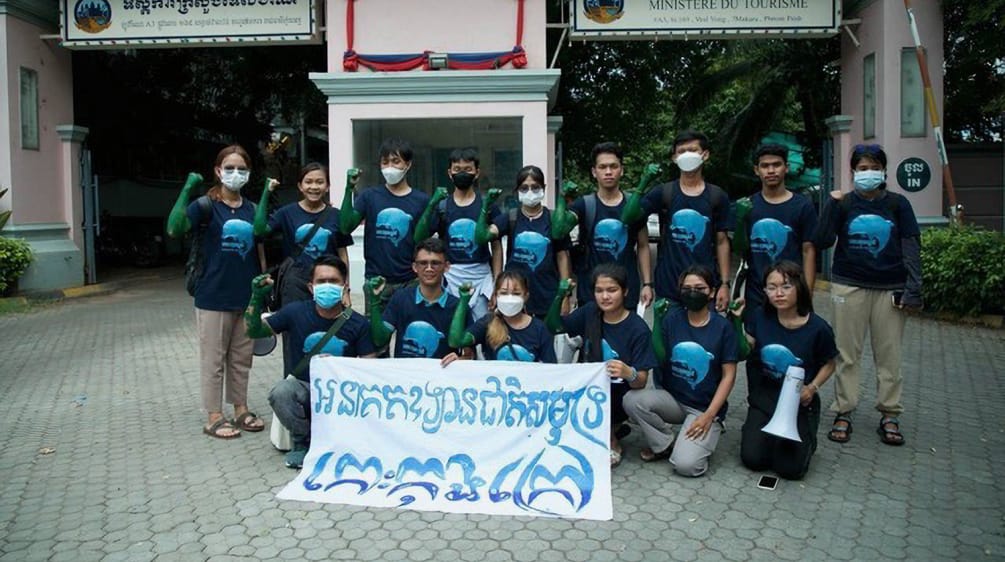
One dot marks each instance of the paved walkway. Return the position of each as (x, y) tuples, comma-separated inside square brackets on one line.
[(102, 458)]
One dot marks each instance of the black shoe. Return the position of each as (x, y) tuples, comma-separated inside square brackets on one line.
[(623, 430)]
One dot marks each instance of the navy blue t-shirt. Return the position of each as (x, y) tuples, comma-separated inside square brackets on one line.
[(533, 343), (776, 232), (533, 253), (229, 254), (776, 348), (456, 227), (629, 340), (868, 246), (388, 245), (294, 222), (696, 358), (610, 242), (306, 328), (689, 237), (421, 327)]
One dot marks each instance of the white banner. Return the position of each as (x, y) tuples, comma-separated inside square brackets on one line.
[(494, 437), (148, 23), (696, 19)]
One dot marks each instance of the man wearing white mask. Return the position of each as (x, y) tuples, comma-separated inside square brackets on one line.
[(694, 218), (389, 213), (308, 324)]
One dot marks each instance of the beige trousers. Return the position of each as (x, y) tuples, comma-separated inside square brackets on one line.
[(225, 353), (857, 310)]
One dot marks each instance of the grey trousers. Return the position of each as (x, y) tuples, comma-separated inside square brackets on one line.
[(291, 402), (656, 412)]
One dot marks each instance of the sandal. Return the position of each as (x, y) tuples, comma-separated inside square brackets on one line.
[(615, 458), (890, 436), (246, 421), (647, 454), (222, 423), (840, 433)]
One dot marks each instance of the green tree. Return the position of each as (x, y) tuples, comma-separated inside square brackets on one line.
[(974, 69)]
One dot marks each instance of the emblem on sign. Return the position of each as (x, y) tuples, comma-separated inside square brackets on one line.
[(92, 16), (604, 11)]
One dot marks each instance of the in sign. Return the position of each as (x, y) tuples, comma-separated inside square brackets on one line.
[(913, 174)]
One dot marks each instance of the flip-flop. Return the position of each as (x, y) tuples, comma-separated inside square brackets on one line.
[(243, 420), (615, 458), (222, 423), (647, 454)]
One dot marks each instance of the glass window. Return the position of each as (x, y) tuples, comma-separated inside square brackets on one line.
[(29, 109), (912, 95), (498, 140), (869, 96)]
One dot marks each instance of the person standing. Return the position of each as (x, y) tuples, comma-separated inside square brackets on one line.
[(780, 226), (230, 259), (694, 218), (876, 276), (603, 238)]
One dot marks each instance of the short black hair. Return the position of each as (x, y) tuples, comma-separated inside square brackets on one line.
[(331, 261), (870, 151), (397, 146), (606, 148), (688, 136), (465, 154), (700, 270), (530, 171), (431, 245), (771, 149)]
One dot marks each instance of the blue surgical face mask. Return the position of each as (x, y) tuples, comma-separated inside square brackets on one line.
[(869, 180), (327, 295)]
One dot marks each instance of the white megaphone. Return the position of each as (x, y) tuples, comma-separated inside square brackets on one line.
[(783, 423)]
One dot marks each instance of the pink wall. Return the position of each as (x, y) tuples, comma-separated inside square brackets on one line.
[(35, 175), (413, 26), (885, 31)]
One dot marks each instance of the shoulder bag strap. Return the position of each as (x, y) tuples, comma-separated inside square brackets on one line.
[(335, 327), (310, 234)]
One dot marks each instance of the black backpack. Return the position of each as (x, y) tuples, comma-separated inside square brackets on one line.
[(193, 265), (717, 197)]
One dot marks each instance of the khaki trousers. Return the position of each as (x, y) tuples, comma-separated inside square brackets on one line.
[(225, 353), (857, 310)]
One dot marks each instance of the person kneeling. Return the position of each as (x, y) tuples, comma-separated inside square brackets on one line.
[(785, 333), (325, 326), (696, 378)]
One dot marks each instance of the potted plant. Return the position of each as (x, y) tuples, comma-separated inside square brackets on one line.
[(15, 257)]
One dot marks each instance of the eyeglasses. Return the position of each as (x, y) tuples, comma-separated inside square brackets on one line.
[(232, 168), (867, 149), (429, 264), (528, 188), (770, 289)]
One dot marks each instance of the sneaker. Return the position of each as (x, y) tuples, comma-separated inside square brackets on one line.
[(295, 458)]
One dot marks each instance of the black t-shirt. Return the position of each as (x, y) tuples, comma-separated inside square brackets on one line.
[(868, 246), (229, 254), (776, 232), (629, 340), (388, 244), (306, 328), (610, 241), (532, 252), (294, 222), (776, 348), (456, 227), (421, 326), (696, 358), (533, 343)]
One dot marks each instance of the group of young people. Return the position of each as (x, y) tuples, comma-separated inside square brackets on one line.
[(436, 280)]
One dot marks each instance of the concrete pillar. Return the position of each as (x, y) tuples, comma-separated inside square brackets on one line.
[(840, 130), (71, 140)]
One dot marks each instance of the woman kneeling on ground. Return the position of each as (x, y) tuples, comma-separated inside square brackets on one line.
[(695, 380), (785, 333)]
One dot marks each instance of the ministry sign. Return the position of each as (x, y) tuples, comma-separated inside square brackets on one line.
[(149, 23), (703, 19)]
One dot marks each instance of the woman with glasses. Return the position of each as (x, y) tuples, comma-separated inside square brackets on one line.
[(230, 260), (530, 249), (875, 276), (696, 378), (784, 333)]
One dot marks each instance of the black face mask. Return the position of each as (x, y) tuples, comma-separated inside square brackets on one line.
[(463, 180), (694, 300)]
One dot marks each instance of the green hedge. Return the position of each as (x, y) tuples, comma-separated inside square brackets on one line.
[(963, 270), (15, 257)]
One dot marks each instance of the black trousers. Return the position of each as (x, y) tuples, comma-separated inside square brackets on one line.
[(762, 451)]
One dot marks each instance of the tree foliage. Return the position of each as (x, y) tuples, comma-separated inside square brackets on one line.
[(974, 69)]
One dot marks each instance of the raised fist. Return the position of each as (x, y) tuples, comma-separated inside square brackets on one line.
[(570, 188), (261, 285), (192, 181), (491, 196), (649, 173), (374, 285), (352, 177), (466, 290), (565, 287)]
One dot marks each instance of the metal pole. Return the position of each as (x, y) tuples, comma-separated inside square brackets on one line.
[(955, 209)]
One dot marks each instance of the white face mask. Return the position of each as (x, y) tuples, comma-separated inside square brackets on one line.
[(234, 180), (868, 180), (689, 161), (392, 175), (532, 198), (509, 305)]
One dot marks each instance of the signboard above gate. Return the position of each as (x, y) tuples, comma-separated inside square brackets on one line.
[(119, 24), (703, 19)]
